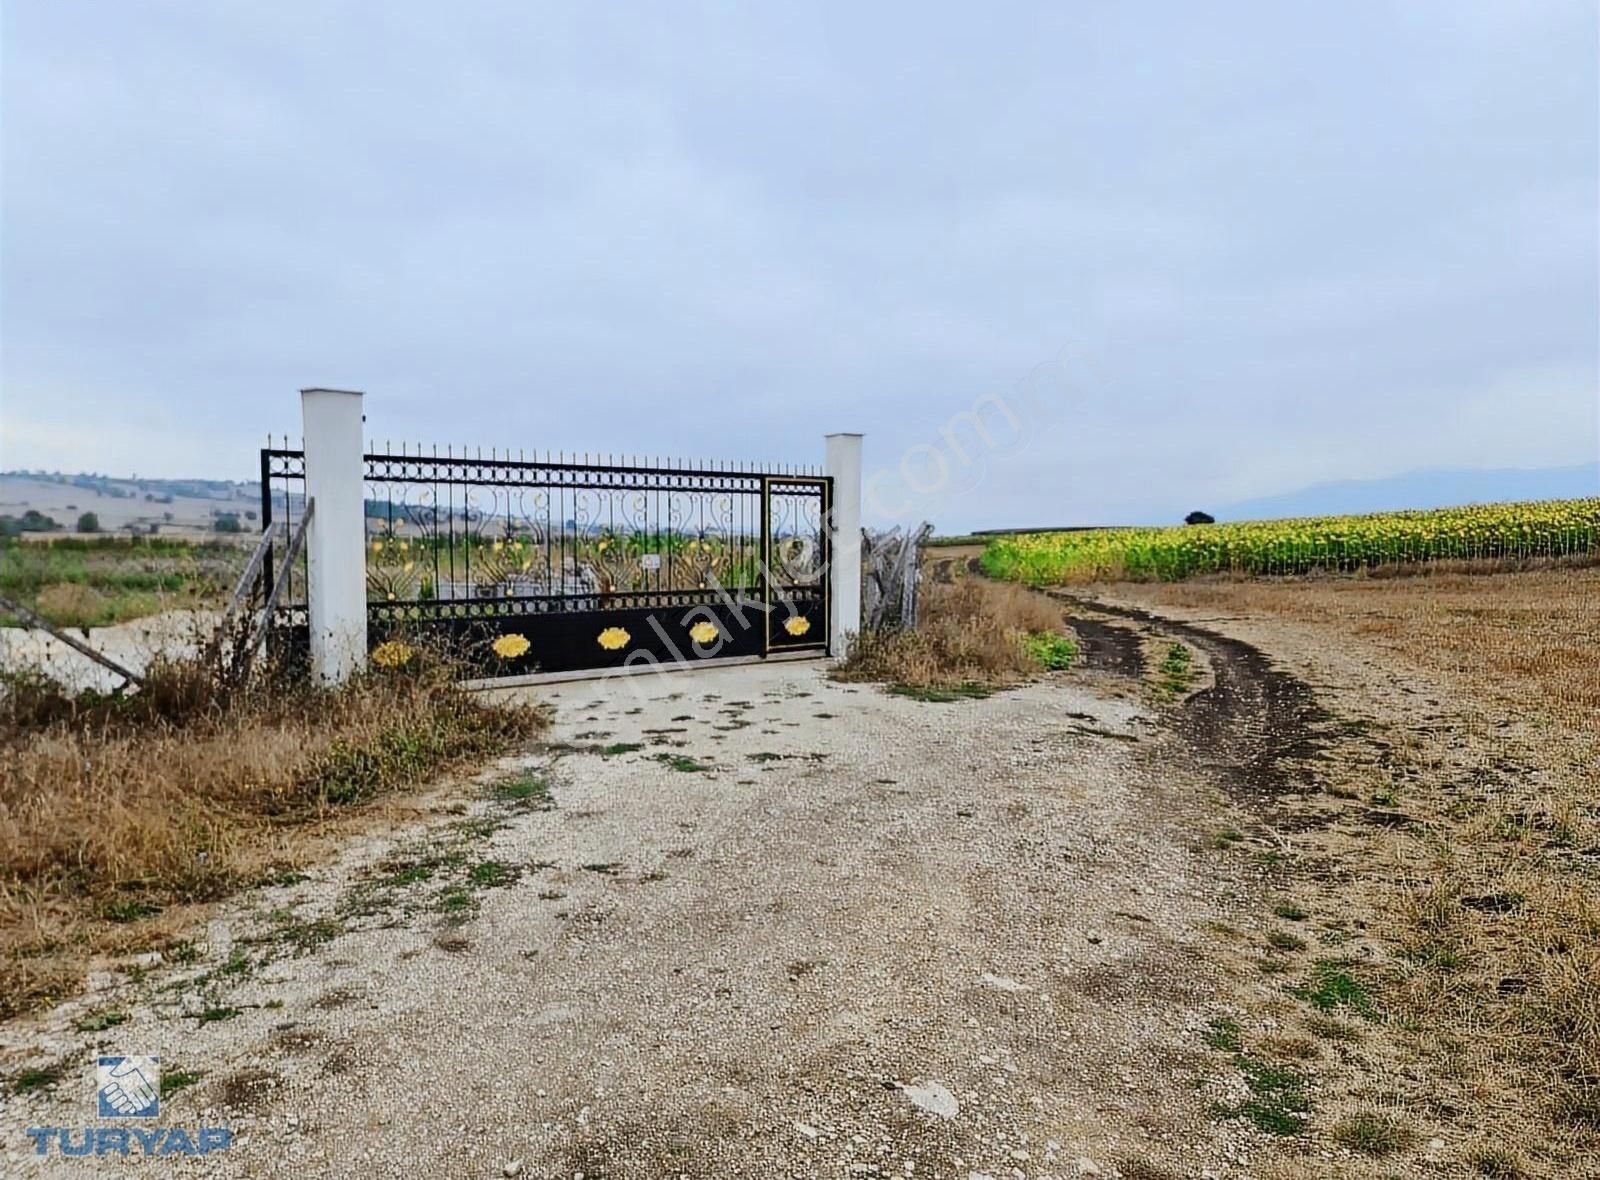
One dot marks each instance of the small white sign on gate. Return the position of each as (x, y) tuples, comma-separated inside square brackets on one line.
[(650, 561)]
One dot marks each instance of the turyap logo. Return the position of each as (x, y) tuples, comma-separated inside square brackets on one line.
[(129, 1088)]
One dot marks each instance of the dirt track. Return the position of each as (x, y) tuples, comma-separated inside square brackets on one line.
[(751, 964), (765, 924)]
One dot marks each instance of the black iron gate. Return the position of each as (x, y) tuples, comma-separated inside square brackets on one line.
[(554, 565)]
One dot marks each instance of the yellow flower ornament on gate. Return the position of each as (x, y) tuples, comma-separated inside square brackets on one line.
[(797, 626), (614, 638), (509, 647), (703, 632)]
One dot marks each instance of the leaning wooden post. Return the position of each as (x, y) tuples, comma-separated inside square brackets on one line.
[(844, 541), (336, 541)]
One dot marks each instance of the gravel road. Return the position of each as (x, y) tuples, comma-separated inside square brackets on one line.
[(764, 924)]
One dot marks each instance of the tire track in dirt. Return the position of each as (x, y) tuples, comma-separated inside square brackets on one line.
[(1251, 724), (1247, 728)]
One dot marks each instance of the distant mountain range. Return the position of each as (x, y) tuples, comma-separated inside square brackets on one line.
[(1418, 489)]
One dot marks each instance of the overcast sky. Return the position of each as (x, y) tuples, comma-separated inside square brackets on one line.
[(1204, 252)]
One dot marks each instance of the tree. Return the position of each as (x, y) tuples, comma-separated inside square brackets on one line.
[(227, 523), (88, 523)]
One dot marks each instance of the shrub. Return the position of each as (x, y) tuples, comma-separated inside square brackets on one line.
[(971, 631)]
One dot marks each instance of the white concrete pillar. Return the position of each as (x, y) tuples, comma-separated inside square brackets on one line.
[(843, 463), (336, 540)]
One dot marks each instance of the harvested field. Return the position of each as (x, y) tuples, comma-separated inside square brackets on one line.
[(1452, 821)]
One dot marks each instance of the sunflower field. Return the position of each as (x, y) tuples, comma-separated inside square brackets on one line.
[(1523, 531)]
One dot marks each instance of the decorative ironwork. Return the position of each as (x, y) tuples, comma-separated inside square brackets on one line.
[(682, 562)]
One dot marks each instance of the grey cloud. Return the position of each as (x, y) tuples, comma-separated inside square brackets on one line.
[(1279, 242)]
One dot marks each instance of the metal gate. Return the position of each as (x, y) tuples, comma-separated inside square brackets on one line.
[(553, 564)]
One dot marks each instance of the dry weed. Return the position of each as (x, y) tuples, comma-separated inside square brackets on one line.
[(114, 809), (970, 632)]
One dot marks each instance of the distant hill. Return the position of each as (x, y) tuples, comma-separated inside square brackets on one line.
[(165, 507), (1419, 489)]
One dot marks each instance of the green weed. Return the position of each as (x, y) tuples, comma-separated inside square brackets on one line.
[(527, 792), (100, 1021), (1332, 987), (682, 763), (31, 1080), (174, 1080), (1051, 650)]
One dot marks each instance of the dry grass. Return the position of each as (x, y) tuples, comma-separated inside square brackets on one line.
[(113, 810), (1485, 708), (971, 632), (1520, 639)]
